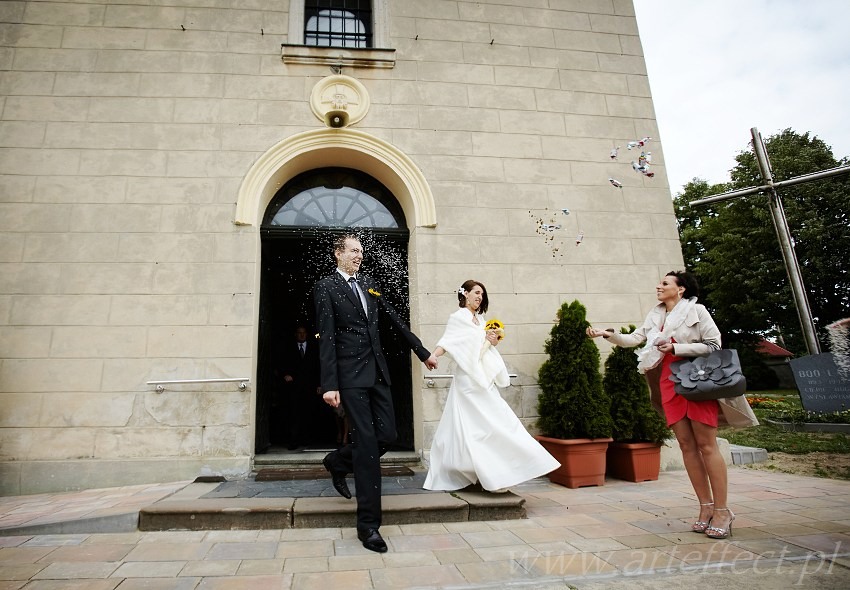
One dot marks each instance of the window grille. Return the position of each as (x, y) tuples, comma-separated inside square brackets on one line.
[(338, 23), (334, 197)]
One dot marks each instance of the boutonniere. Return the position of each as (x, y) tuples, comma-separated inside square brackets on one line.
[(374, 293), (496, 325)]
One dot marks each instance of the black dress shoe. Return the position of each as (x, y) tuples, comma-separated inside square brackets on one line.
[(372, 540), (338, 479)]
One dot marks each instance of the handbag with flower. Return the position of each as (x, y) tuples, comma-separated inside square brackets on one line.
[(715, 376)]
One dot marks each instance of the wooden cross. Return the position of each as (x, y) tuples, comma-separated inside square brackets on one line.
[(780, 223)]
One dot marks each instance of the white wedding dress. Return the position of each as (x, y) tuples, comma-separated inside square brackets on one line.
[(479, 438)]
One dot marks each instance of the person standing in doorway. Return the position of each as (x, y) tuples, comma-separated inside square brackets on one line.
[(301, 387), (354, 373)]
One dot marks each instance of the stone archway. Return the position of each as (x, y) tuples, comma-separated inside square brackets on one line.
[(329, 147)]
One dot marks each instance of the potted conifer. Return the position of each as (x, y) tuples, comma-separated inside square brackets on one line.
[(574, 410), (638, 430)]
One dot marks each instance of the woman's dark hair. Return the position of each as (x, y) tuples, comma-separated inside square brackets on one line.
[(468, 286), (686, 280)]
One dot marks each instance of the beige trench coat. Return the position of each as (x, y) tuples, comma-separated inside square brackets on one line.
[(697, 336)]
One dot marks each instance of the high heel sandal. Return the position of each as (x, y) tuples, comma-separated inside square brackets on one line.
[(713, 532), (700, 526)]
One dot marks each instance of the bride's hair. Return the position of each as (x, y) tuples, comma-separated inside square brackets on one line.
[(465, 288)]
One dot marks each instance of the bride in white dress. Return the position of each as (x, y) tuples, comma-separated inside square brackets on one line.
[(479, 438)]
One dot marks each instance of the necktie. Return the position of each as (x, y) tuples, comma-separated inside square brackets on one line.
[(301, 348), (353, 283)]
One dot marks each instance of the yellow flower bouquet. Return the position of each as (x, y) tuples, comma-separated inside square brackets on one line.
[(496, 325)]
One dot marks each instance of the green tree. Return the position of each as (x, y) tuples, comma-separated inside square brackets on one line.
[(572, 403), (732, 246)]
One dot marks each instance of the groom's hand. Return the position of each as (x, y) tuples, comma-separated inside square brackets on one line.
[(331, 398), (431, 362)]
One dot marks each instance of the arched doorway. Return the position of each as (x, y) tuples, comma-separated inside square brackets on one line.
[(298, 228)]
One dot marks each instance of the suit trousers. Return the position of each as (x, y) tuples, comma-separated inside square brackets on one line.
[(373, 428)]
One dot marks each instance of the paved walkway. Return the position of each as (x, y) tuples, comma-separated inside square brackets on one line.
[(790, 531)]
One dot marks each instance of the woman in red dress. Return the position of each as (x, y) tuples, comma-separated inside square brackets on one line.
[(680, 327)]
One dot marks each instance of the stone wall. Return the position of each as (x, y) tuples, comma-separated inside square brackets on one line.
[(127, 130)]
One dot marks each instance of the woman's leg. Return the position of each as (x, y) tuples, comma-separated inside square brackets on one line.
[(715, 467), (695, 466)]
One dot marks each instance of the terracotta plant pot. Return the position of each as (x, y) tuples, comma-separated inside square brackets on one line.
[(636, 462), (582, 460)]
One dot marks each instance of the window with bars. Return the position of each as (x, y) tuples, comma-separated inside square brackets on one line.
[(338, 23)]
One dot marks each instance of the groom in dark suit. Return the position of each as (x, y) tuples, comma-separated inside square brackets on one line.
[(354, 372)]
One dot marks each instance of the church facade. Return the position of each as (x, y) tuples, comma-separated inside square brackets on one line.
[(172, 175)]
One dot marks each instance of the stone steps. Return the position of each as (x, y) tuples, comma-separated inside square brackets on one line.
[(188, 510), (313, 458)]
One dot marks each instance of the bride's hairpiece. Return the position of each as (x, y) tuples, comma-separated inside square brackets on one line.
[(461, 291)]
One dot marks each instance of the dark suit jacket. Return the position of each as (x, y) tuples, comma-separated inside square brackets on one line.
[(304, 371), (350, 353)]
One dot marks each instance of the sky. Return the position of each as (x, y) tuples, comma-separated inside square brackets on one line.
[(717, 69)]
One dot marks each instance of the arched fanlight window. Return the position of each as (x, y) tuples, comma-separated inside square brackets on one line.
[(334, 197), (338, 23)]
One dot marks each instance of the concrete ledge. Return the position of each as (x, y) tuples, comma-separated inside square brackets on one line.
[(415, 508), (186, 510), (126, 522), (217, 514), (744, 455), (809, 426), (487, 506), (314, 459), (19, 478), (400, 509)]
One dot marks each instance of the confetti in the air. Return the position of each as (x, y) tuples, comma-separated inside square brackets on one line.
[(565, 211), (638, 143), (547, 228), (579, 238), (615, 152), (615, 182), (643, 169)]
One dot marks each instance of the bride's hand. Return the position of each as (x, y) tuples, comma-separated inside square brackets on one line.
[(492, 337)]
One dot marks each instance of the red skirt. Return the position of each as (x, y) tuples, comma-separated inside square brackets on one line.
[(676, 407)]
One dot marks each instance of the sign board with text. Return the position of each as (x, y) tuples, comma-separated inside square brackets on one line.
[(822, 387)]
